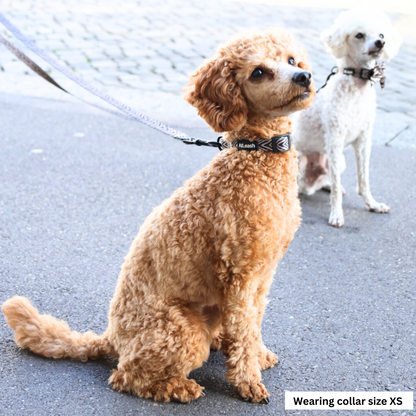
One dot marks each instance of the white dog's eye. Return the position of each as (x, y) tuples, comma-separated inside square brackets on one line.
[(381, 36), (359, 35), (292, 61), (257, 73)]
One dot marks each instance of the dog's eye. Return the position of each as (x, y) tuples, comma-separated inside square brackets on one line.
[(381, 36), (292, 61), (257, 73), (359, 35)]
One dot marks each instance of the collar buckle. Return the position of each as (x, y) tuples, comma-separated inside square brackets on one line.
[(366, 73)]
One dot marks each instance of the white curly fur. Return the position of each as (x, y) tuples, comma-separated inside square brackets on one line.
[(344, 111)]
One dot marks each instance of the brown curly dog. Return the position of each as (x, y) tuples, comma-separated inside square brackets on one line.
[(200, 268)]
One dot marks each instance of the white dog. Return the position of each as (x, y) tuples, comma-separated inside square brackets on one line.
[(344, 111)]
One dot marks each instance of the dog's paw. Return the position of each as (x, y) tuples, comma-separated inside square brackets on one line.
[(186, 391), (267, 359), (379, 207), (174, 389), (254, 392), (336, 219)]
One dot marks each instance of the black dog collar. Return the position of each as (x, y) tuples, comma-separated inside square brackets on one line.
[(277, 144), (377, 74), (374, 75)]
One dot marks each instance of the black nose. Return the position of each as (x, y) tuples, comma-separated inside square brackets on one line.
[(302, 78), (379, 43)]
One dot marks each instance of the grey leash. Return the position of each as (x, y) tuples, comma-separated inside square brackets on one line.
[(334, 70), (130, 113)]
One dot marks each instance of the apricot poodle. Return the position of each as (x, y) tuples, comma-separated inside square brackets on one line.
[(199, 270)]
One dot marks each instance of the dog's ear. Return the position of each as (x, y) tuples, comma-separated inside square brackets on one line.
[(216, 95), (393, 42), (334, 39)]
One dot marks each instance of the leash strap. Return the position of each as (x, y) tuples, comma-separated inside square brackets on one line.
[(129, 112), (277, 144), (30, 63), (334, 70), (38, 70)]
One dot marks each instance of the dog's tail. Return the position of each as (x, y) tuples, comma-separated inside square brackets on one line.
[(45, 335)]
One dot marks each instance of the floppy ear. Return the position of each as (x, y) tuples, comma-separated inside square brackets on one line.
[(393, 42), (217, 96), (334, 39)]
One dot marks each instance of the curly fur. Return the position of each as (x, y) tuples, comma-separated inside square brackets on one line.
[(199, 270), (344, 111)]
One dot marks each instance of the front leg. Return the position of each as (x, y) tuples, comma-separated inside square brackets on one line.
[(362, 150), (267, 359), (242, 341), (336, 165)]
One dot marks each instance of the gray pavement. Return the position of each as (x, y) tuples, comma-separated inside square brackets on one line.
[(75, 185)]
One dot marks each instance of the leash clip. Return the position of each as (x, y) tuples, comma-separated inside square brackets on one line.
[(334, 70), (200, 142)]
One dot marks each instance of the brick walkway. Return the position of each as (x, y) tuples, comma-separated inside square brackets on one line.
[(143, 52)]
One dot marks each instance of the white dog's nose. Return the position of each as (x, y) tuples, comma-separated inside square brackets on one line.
[(302, 78), (379, 43)]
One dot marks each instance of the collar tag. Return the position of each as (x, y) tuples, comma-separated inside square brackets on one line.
[(349, 71), (244, 144)]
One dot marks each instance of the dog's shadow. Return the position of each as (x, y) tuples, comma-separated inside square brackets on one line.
[(316, 209), (212, 376)]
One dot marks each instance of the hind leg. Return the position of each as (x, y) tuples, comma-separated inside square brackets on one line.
[(213, 318), (362, 149), (178, 389), (156, 361), (313, 172)]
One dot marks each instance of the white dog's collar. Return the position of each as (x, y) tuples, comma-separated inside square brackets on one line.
[(377, 74)]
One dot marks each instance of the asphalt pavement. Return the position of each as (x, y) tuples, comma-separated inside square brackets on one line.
[(75, 187), (76, 183)]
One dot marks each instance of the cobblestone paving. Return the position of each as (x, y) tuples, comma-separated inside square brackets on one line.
[(143, 52)]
